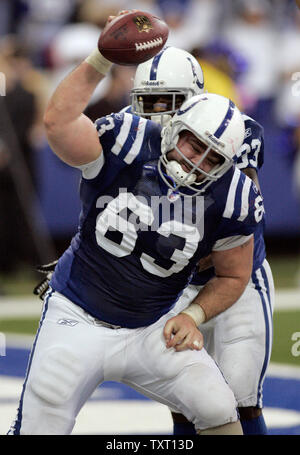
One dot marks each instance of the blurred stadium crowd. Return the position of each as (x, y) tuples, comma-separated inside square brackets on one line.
[(249, 51)]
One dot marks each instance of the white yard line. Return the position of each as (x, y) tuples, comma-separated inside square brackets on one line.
[(287, 299), (280, 370), (11, 307)]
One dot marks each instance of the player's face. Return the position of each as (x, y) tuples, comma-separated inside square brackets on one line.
[(161, 103), (193, 149)]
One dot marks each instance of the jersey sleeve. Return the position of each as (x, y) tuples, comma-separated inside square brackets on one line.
[(243, 212), (124, 139), (126, 109), (122, 135), (251, 153)]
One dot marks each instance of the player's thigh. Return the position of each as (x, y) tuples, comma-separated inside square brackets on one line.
[(64, 368), (243, 339), (188, 382)]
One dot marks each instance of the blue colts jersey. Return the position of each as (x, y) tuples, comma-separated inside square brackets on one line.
[(137, 246), (250, 155)]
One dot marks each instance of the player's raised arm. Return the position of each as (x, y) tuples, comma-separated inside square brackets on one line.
[(72, 135)]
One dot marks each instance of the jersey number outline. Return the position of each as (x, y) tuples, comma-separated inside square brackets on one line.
[(110, 218), (244, 153), (259, 208)]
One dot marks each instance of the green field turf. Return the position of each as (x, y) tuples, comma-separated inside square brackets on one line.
[(286, 271), (286, 323), (24, 326)]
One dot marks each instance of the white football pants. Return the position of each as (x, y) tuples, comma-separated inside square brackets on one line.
[(73, 353), (240, 338)]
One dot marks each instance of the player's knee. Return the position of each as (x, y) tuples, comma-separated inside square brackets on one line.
[(57, 376), (48, 421), (244, 379), (219, 412), (215, 403), (220, 405), (243, 384)]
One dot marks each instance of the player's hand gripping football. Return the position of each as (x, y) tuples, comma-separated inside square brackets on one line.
[(120, 13), (132, 37), (181, 333)]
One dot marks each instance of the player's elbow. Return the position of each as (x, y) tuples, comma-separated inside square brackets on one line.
[(50, 120), (243, 275), (55, 118), (236, 283), (242, 281)]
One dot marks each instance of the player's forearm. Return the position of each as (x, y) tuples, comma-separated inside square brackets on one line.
[(219, 294), (72, 96), (70, 133)]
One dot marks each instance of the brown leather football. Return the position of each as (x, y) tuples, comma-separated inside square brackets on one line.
[(133, 38)]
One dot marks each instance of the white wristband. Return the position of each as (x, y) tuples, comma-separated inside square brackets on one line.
[(196, 313), (100, 63)]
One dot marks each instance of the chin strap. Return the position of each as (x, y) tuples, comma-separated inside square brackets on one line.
[(175, 171)]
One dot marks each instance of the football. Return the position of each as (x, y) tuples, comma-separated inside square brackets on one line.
[(133, 38)]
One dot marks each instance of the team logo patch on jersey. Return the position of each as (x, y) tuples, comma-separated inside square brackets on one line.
[(248, 133), (172, 196)]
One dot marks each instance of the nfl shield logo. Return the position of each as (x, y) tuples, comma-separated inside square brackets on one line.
[(172, 196)]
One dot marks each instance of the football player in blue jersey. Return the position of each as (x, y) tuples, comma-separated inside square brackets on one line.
[(154, 202), (239, 339)]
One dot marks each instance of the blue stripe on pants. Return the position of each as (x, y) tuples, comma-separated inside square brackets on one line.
[(17, 427), (262, 285)]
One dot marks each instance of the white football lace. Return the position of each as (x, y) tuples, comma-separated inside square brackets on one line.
[(148, 44)]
